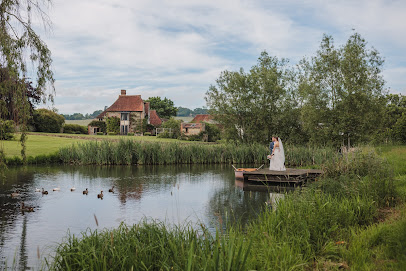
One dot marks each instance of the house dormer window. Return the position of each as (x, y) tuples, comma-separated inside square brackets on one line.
[(124, 116)]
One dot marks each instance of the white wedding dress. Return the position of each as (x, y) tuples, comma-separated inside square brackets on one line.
[(278, 159)]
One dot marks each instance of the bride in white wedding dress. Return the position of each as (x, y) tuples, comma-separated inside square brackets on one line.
[(278, 156)]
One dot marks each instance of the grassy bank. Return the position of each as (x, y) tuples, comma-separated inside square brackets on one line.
[(332, 224), (129, 152), (37, 145)]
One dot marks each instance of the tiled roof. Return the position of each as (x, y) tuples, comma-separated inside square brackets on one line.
[(202, 118), (127, 103), (192, 125), (101, 115), (154, 119)]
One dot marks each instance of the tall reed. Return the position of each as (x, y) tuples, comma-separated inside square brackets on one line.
[(152, 246), (126, 152)]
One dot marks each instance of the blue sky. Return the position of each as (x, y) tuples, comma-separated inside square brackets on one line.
[(176, 48)]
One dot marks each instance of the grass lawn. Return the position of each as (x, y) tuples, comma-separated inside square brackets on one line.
[(37, 145)]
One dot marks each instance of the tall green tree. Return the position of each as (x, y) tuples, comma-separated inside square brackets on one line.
[(19, 42), (342, 92), (252, 107), (164, 107)]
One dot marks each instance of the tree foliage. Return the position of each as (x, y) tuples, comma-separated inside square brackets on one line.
[(19, 42), (6, 129), (164, 107), (186, 112), (10, 105), (254, 106), (212, 131), (47, 121), (80, 116), (341, 92), (174, 125)]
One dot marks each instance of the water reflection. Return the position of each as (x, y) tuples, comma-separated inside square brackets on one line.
[(175, 194)]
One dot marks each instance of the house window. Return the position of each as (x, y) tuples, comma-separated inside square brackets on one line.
[(124, 116)]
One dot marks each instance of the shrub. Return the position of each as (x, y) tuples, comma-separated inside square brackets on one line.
[(48, 121), (165, 135), (6, 129), (113, 125), (100, 133), (147, 134), (74, 129), (112, 133), (198, 137), (130, 134), (174, 125), (212, 131), (100, 124)]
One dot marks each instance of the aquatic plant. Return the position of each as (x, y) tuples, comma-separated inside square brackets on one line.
[(126, 152), (152, 246)]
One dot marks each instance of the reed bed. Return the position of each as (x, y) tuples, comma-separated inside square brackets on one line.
[(152, 246), (326, 226), (129, 152)]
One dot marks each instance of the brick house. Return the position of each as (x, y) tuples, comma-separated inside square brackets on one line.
[(132, 112), (197, 125)]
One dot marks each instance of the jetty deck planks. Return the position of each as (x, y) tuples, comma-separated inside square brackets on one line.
[(292, 177)]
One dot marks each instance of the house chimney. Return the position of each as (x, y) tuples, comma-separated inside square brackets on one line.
[(123, 92)]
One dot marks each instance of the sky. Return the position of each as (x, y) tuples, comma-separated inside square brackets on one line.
[(178, 48)]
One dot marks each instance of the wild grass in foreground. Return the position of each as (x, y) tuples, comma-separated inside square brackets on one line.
[(152, 246), (127, 152), (329, 225)]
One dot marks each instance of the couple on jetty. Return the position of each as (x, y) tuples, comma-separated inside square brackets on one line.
[(277, 156)]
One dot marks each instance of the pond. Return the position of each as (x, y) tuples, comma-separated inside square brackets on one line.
[(175, 194)]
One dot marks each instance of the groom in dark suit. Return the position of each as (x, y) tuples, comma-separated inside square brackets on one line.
[(271, 147)]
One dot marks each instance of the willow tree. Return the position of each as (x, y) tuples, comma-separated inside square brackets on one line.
[(342, 92), (253, 106), (24, 55)]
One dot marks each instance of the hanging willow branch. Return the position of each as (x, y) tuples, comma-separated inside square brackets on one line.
[(22, 51)]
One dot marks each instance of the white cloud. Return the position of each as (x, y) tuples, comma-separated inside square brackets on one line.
[(178, 48)]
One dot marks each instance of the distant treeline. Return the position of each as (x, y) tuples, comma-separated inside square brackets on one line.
[(80, 116), (186, 112), (182, 112)]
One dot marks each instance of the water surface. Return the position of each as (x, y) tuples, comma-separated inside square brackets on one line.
[(176, 194)]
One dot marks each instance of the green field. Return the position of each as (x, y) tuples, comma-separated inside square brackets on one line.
[(37, 145)]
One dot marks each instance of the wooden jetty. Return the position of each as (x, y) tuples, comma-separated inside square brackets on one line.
[(270, 180)]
